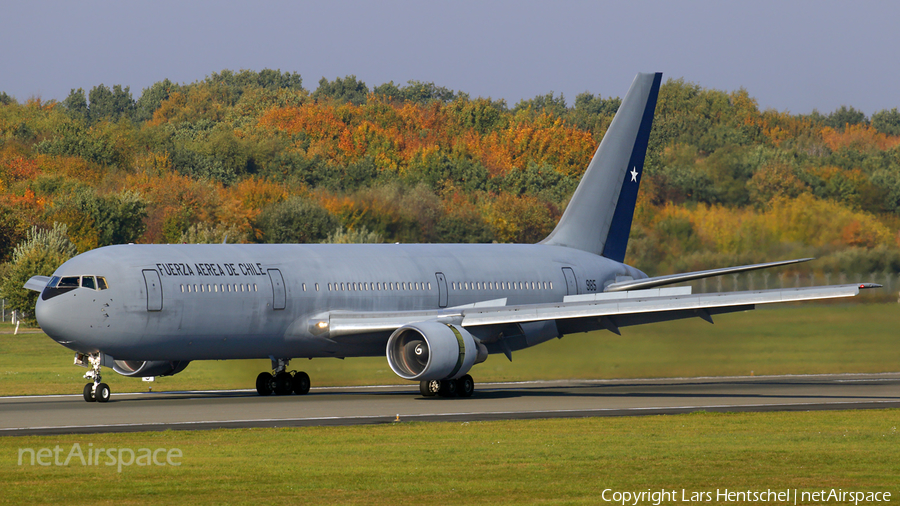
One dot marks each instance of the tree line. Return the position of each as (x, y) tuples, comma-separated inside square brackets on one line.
[(256, 157)]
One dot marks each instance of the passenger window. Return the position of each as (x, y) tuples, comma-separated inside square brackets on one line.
[(88, 282), (68, 282)]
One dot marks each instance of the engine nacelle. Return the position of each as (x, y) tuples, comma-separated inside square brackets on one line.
[(433, 351), (141, 369)]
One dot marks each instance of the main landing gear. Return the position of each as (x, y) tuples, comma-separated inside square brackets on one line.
[(95, 391), (462, 387), (281, 382)]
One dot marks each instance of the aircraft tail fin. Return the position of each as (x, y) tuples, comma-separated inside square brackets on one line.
[(598, 217)]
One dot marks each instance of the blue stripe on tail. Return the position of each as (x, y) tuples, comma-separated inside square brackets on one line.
[(620, 228)]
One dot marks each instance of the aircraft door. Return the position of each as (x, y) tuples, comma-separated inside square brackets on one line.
[(442, 289), (571, 283), (278, 293), (154, 290)]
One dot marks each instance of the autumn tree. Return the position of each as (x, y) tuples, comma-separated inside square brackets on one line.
[(38, 255)]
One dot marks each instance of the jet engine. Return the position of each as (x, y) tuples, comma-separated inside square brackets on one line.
[(141, 369), (433, 351)]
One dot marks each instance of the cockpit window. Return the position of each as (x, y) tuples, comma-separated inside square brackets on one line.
[(68, 282)]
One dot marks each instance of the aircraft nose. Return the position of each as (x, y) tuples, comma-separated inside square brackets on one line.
[(51, 318)]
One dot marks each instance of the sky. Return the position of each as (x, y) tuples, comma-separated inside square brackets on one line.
[(792, 56)]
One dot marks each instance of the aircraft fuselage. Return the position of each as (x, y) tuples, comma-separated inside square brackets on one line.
[(219, 301)]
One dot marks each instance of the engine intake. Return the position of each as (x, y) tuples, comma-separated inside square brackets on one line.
[(141, 369), (433, 351)]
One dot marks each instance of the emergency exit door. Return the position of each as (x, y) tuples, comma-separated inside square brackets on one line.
[(571, 283)]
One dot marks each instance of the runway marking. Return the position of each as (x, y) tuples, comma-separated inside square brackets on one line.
[(472, 414)]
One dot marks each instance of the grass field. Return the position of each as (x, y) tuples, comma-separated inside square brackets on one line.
[(514, 462), (521, 462), (799, 339)]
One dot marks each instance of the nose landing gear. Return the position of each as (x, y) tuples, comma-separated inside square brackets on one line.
[(282, 382), (94, 391)]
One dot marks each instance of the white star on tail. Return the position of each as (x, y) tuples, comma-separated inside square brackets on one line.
[(634, 174)]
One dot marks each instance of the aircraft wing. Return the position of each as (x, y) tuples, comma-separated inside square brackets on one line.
[(607, 310)]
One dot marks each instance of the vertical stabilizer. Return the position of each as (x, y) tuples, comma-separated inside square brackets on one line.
[(598, 218)]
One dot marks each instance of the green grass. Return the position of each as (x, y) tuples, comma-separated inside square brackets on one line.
[(796, 339), (519, 462)]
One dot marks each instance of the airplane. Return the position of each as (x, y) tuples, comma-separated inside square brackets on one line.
[(434, 310)]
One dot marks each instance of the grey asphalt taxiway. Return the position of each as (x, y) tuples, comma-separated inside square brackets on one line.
[(69, 414)]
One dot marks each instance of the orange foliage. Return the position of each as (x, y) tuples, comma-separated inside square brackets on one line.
[(394, 135), (858, 137), (254, 194), (19, 169), (26, 202), (173, 194)]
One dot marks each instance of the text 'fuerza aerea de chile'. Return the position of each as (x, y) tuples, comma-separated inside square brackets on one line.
[(217, 269)]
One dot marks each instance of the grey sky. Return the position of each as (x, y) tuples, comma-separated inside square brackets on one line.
[(793, 56)]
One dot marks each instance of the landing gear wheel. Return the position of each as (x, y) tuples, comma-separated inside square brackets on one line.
[(264, 384), (89, 392), (465, 386), (448, 388), (283, 383), (101, 393), (300, 383), (429, 388)]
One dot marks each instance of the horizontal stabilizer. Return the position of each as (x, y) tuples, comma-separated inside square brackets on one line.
[(643, 284), (37, 283)]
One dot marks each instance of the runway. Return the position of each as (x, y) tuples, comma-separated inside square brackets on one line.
[(69, 414)]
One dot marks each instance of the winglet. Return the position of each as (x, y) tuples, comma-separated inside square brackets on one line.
[(598, 217)]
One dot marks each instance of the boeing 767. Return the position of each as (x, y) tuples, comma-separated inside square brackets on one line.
[(434, 310)]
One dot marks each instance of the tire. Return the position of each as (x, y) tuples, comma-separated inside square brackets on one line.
[(102, 393), (89, 392), (448, 388), (300, 383), (284, 383), (264, 384), (465, 386), (429, 388)]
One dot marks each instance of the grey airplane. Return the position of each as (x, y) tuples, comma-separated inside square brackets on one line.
[(434, 310)]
